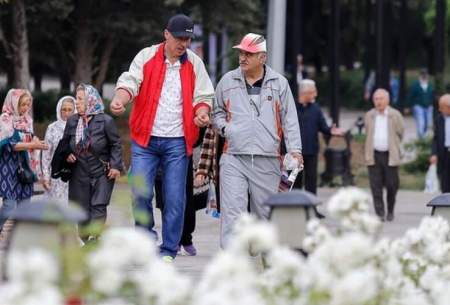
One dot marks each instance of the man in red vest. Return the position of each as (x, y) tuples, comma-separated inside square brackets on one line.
[(172, 96)]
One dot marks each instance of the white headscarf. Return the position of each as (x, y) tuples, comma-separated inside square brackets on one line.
[(60, 122)]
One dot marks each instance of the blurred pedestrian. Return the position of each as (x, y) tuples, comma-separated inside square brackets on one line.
[(441, 143), (384, 134), (253, 109), (172, 96), (19, 152), (301, 71), (56, 188), (208, 167), (420, 99), (96, 157), (311, 121)]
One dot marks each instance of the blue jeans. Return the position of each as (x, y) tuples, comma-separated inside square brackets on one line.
[(8, 206), (170, 155), (424, 119)]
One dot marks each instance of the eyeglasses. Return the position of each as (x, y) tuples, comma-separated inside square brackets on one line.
[(66, 109), (247, 54)]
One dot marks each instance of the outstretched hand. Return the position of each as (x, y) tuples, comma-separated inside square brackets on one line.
[(336, 131)]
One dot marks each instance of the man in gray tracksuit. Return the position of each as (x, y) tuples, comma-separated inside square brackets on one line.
[(254, 109)]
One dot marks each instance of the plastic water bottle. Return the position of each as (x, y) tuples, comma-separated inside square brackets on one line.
[(287, 180), (211, 206)]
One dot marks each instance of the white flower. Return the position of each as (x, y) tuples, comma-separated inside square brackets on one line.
[(121, 252), (357, 287), (228, 279), (344, 253), (281, 281), (316, 234), (409, 294), (347, 200), (114, 301), (133, 245), (107, 281), (15, 293), (252, 235), (160, 282)]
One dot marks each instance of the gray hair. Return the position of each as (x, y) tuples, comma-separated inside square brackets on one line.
[(445, 99), (307, 83)]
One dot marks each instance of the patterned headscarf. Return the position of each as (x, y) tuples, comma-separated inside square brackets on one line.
[(10, 119), (94, 105)]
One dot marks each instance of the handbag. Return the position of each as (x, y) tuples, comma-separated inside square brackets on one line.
[(60, 167), (24, 173)]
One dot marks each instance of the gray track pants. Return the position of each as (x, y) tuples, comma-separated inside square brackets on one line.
[(241, 176)]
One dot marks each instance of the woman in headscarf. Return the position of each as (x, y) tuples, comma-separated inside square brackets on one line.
[(96, 155), (56, 188), (19, 149)]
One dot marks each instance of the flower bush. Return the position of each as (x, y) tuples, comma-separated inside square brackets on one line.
[(347, 265)]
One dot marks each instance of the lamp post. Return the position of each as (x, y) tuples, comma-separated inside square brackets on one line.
[(440, 205), (290, 212), (46, 225)]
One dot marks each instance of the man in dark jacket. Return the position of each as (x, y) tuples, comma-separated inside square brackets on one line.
[(312, 121), (441, 143), (420, 99)]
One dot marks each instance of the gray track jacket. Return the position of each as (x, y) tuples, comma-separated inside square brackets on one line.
[(251, 131)]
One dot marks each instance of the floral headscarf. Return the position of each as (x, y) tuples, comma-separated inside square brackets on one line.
[(10, 119), (94, 106)]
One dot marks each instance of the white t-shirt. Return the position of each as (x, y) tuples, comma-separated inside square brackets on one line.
[(169, 115), (380, 136)]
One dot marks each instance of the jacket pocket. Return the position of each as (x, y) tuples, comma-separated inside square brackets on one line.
[(238, 133), (266, 137)]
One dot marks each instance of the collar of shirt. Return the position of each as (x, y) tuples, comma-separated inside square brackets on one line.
[(175, 64), (384, 113), (447, 131), (258, 83)]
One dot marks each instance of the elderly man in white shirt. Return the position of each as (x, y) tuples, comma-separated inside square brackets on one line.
[(384, 133)]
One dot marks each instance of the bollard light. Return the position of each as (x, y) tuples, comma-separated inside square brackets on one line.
[(440, 205), (47, 225), (290, 212)]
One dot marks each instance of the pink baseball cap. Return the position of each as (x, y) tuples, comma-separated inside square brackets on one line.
[(252, 43)]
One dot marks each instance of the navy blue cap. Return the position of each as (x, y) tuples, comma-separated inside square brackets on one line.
[(181, 26)]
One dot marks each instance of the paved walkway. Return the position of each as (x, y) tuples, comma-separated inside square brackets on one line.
[(411, 207)]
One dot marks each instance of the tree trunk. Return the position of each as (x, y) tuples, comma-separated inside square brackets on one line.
[(84, 55), (20, 54), (107, 50), (37, 81), (64, 66), (64, 81), (84, 44)]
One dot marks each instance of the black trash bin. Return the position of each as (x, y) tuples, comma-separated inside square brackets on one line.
[(337, 163)]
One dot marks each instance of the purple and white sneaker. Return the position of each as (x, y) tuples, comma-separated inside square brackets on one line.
[(190, 250)]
